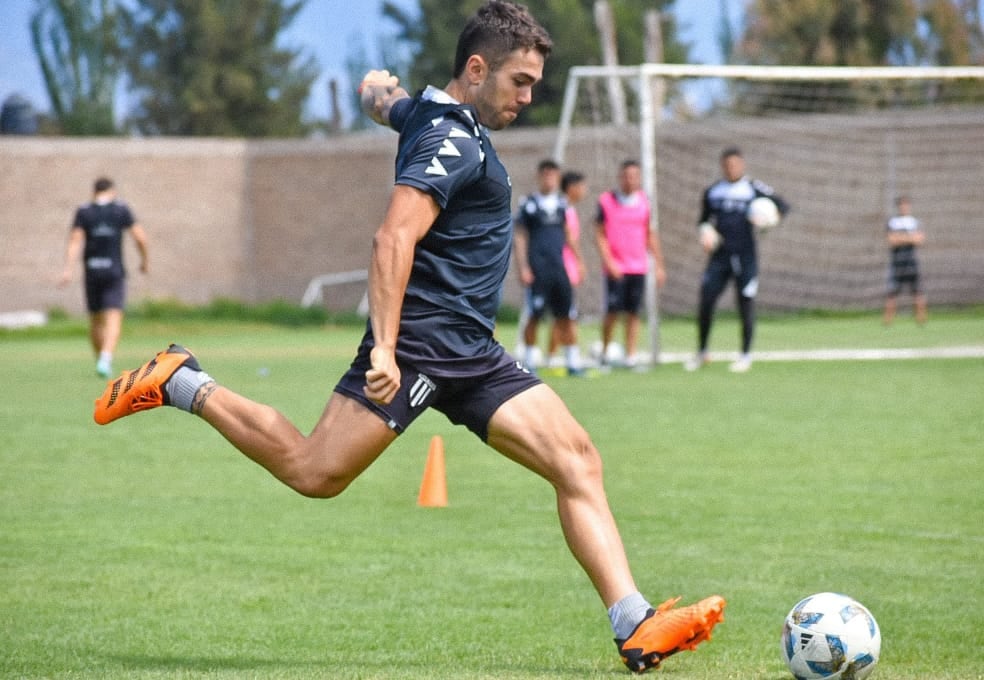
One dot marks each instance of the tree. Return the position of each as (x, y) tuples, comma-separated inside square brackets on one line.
[(862, 32), (77, 47), (212, 67), (432, 36)]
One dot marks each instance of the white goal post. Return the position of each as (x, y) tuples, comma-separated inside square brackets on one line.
[(791, 118)]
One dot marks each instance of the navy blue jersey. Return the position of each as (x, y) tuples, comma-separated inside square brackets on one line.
[(104, 224), (455, 284), (544, 218), (725, 205)]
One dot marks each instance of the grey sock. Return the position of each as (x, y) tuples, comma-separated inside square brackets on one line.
[(182, 387), (626, 614)]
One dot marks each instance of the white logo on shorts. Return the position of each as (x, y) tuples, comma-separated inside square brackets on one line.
[(421, 390)]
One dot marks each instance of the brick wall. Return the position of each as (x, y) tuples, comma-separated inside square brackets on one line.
[(256, 220)]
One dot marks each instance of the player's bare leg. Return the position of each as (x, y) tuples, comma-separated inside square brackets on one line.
[(105, 327), (536, 430), (530, 331), (346, 440), (921, 309), (888, 316), (607, 330), (564, 332)]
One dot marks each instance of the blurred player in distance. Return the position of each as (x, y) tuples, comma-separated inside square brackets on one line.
[(539, 239), (729, 240), (437, 266), (574, 187), (97, 235), (904, 235), (625, 240)]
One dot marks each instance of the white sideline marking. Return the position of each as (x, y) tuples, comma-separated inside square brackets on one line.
[(967, 352)]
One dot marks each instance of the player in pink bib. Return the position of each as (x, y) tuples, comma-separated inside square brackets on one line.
[(625, 240)]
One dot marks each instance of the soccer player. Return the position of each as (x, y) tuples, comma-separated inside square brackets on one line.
[(539, 242), (97, 234), (728, 238), (436, 270), (904, 236), (575, 188), (625, 238)]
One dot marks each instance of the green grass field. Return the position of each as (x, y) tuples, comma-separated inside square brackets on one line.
[(152, 549)]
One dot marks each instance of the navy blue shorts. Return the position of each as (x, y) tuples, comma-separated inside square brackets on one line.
[(470, 398), (625, 294), (903, 274), (552, 293), (101, 294)]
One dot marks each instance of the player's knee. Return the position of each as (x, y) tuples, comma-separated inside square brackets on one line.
[(311, 479), (581, 465), (320, 486)]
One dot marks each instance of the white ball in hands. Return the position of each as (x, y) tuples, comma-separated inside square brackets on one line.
[(763, 213)]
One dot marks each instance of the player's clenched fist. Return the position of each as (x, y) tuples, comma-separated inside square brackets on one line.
[(379, 90)]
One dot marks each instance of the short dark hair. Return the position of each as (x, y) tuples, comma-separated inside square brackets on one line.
[(630, 163), (547, 164), (102, 184), (495, 30), (569, 179), (731, 151)]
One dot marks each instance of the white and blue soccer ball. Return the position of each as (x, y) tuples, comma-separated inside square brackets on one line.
[(829, 635), (763, 213)]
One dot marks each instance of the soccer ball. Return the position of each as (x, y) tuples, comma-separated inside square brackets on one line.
[(763, 213), (829, 635)]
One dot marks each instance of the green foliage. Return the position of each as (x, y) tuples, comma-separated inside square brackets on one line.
[(213, 67), (433, 35), (77, 46), (865, 33), (149, 549)]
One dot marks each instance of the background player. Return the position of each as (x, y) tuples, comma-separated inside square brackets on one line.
[(97, 234), (539, 240), (574, 187), (625, 239), (904, 236), (732, 253)]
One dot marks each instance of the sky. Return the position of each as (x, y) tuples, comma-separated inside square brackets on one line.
[(324, 29)]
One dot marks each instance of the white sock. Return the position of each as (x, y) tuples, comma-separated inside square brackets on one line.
[(572, 355), (529, 356), (627, 613), (182, 387), (106, 357)]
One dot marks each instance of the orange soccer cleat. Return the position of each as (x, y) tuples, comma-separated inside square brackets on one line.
[(666, 631), (143, 388)]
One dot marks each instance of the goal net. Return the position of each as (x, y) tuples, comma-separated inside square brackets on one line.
[(839, 144)]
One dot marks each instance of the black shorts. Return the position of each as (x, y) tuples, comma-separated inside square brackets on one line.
[(552, 293), (104, 293), (625, 294), (468, 400), (900, 277)]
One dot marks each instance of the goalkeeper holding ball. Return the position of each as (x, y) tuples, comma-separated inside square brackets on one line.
[(727, 235)]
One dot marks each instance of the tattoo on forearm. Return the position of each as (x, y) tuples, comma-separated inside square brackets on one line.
[(201, 396)]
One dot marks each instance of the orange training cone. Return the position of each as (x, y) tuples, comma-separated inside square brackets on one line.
[(434, 486)]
